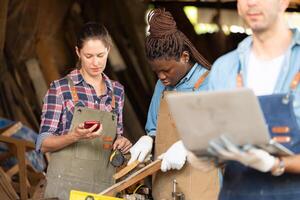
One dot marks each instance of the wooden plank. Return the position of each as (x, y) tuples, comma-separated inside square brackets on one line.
[(134, 178), (10, 98), (126, 170), (5, 182), (12, 130), (21, 149), (4, 101), (21, 146), (25, 109), (3, 18), (29, 145), (51, 49), (17, 105), (3, 192), (48, 63), (21, 30), (38, 79), (12, 171), (39, 190), (26, 86), (130, 54), (135, 24)]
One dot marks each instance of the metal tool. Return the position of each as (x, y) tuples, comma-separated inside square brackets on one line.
[(117, 158), (176, 195)]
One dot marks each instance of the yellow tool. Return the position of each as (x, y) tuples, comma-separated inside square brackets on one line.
[(78, 195)]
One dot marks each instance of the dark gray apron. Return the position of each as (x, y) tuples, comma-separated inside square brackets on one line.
[(84, 165)]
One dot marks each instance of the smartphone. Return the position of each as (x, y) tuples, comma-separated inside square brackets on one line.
[(89, 124)]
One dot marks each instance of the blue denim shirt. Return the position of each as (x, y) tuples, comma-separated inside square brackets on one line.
[(185, 84), (223, 76), (224, 71)]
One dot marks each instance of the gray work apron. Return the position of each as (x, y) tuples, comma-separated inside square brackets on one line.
[(84, 165)]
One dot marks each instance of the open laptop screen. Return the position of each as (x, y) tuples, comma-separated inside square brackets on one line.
[(204, 116)]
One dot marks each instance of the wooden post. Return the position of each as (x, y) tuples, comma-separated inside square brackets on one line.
[(20, 147), (37, 78), (3, 17), (22, 170)]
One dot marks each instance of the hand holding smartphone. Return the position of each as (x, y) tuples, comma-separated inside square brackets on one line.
[(90, 123)]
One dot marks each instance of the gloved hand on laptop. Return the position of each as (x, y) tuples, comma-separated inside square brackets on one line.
[(174, 157), (141, 149), (252, 157)]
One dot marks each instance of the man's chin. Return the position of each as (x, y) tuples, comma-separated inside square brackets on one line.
[(258, 28)]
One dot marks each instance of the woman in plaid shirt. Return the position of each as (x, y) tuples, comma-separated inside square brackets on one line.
[(84, 94)]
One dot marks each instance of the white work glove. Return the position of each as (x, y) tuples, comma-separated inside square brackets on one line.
[(174, 157), (204, 164), (141, 149), (252, 157)]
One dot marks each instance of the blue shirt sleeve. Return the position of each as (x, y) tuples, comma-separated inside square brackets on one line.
[(154, 109)]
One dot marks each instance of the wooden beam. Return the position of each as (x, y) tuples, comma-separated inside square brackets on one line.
[(3, 18), (22, 170), (20, 31), (29, 145), (38, 80), (51, 48), (126, 170), (21, 146), (7, 189), (122, 31), (12, 129), (134, 178)]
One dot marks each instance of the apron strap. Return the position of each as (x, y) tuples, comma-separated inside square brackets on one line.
[(200, 80), (239, 77), (293, 86), (76, 98), (239, 81), (295, 81), (113, 100), (73, 90)]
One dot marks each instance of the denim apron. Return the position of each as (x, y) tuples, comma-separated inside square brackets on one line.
[(244, 183), (83, 165)]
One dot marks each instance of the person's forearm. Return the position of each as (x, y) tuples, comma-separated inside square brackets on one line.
[(53, 143), (292, 163)]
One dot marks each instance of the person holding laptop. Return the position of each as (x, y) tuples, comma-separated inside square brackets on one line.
[(268, 62)]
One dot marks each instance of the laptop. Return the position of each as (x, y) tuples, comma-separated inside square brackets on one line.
[(206, 115)]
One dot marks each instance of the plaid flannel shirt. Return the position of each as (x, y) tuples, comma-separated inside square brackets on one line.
[(58, 107)]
